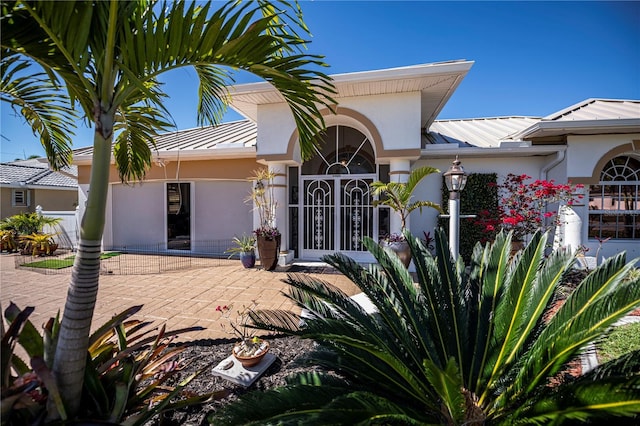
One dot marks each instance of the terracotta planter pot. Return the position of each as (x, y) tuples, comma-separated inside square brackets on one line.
[(250, 361), (401, 248), (269, 250)]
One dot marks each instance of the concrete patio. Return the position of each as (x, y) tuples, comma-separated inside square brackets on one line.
[(181, 298)]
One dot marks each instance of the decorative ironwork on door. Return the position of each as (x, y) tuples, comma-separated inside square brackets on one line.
[(319, 212), (338, 213), (356, 213)]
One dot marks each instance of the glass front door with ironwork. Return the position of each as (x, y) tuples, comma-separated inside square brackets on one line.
[(337, 213), (336, 207)]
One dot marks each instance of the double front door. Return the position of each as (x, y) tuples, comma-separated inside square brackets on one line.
[(337, 212)]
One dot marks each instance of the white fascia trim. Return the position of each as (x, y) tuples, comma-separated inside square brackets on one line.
[(545, 127), (196, 154), (491, 152), (14, 185), (414, 71)]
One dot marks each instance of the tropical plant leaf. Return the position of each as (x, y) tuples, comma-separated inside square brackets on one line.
[(448, 385), (42, 104)]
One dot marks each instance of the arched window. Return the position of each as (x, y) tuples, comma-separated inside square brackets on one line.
[(614, 204), (343, 151)]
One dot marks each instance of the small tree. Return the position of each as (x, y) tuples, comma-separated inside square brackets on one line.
[(399, 195), (109, 55)]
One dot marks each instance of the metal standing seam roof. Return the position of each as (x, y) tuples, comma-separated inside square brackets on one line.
[(473, 132), (34, 176), (238, 134), (476, 132), (598, 109)]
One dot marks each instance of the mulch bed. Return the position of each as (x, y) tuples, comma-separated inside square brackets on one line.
[(206, 354)]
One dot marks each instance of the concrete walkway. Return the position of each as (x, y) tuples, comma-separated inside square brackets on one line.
[(180, 299)]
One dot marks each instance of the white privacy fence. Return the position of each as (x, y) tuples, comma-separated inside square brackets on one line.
[(67, 231)]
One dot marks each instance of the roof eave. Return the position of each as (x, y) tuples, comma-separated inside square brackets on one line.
[(556, 128), (449, 152), (240, 94), (17, 185), (196, 154)]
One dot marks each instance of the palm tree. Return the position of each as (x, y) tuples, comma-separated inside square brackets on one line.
[(469, 346), (109, 55), (398, 195)]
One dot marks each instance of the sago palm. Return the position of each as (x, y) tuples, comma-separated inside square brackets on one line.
[(460, 346), (109, 55)]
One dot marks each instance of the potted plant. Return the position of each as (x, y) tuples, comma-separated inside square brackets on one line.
[(267, 234), (8, 240), (245, 249), (39, 244), (249, 350), (398, 196)]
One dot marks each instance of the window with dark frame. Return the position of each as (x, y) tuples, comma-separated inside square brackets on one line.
[(614, 204)]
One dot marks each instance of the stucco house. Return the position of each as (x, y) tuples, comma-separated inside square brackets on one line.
[(26, 184), (385, 124)]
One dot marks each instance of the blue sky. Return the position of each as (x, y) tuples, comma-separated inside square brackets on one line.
[(531, 58)]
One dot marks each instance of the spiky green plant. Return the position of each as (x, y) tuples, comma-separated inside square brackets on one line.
[(462, 345), (129, 367), (28, 223)]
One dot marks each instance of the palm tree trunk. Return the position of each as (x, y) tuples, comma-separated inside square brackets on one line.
[(73, 341)]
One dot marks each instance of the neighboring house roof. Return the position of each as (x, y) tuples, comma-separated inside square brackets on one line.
[(18, 175), (232, 139), (592, 116)]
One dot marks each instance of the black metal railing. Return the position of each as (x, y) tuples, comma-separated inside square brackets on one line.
[(136, 259)]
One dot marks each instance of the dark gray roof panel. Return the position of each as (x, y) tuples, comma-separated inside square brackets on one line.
[(13, 174)]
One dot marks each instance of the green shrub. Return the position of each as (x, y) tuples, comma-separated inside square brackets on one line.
[(479, 197), (126, 379)]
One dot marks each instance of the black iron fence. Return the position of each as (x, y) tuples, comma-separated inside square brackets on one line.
[(136, 259)]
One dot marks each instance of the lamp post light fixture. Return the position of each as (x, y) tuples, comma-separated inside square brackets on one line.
[(455, 178)]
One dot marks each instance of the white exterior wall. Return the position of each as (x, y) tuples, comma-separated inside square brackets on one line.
[(219, 210), (584, 152), (138, 214), (396, 117)]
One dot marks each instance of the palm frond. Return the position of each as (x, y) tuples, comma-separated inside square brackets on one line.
[(294, 404), (610, 390), (137, 127), (447, 384), (596, 304), (486, 281), (41, 102)]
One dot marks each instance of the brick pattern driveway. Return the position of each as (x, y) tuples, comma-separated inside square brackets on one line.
[(180, 298)]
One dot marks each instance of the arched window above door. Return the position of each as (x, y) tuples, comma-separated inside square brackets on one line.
[(344, 150), (614, 204)]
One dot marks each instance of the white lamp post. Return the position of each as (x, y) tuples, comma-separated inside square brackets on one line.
[(455, 179)]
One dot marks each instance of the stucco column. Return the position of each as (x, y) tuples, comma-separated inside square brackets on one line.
[(280, 195), (399, 170)]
